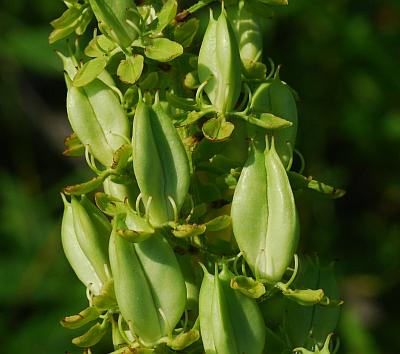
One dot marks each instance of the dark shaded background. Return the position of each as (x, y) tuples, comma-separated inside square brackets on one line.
[(342, 56)]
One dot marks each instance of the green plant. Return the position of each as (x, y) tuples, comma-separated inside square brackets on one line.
[(213, 129)]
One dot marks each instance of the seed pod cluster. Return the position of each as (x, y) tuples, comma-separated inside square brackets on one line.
[(189, 243)]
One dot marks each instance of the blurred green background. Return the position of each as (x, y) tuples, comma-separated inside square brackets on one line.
[(343, 58)]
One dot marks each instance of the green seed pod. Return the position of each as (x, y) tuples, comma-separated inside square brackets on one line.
[(113, 16), (283, 226), (263, 202), (149, 286), (206, 296), (249, 209), (98, 119), (247, 32), (276, 97), (160, 162), (219, 60), (230, 322), (92, 231), (79, 262)]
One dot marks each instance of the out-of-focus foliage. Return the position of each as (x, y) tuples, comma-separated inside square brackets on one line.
[(343, 59), (37, 284), (341, 56)]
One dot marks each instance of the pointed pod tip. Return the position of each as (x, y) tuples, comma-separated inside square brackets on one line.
[(206, 272), (64, 199), (223, 11), (270, 144), (203, 267), (157, 97), (211, 14)]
